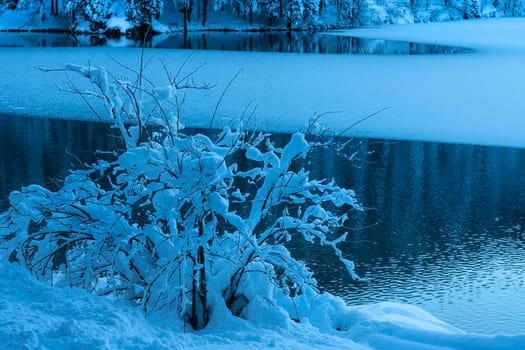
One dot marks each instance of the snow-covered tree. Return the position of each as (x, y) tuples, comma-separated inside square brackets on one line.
[(245, 7), (311, 11), (184, 222), (295, 12), (43, 7), (472, 9), (350, 11), (96, 12), (8, 4), (142, 12), (513, 7), (271, 9)]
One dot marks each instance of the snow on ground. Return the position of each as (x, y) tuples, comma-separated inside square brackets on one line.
[(37, 316), (29, 20), (466, 98)]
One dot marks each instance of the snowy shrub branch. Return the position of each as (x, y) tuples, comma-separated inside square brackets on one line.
[(178, 221)]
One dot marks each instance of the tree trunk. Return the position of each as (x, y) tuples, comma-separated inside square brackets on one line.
[(199, 302), (198, 10), (251, 12), (54, 7), (204, 12), (190, 10), (184, 12)]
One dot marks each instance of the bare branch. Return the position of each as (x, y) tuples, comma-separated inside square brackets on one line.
[(181, 67), (362, 120), (223, 94)]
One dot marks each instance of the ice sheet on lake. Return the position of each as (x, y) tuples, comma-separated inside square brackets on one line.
[(467, 98)]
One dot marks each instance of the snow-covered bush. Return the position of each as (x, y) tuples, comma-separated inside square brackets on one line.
[(182, 222)]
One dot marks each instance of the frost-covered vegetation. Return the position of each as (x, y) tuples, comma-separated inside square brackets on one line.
[(101, 15), (180, 222)]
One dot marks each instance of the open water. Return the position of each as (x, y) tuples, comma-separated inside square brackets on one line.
[(296, 42)]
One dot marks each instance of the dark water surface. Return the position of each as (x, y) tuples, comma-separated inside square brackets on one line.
[(443, 229), (298, 42)]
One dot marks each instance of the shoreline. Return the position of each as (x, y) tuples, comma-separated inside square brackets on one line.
[(115, 33)]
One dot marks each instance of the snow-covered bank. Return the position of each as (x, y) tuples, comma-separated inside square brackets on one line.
[(28, 20), (498, 35), (37, 316), (118, 15), (467, 98)]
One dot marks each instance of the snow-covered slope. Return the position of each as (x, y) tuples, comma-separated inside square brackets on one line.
[(497, 35)]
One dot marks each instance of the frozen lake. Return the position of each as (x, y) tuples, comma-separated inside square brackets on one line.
[(443, 228)]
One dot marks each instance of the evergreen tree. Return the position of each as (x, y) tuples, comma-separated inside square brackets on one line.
[(96, 12), (295, 12), (311, 11), (271, 9), (302, 12), (472, 9), (142, 12)]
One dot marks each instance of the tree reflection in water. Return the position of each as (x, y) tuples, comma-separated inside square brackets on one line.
[(296, 42)]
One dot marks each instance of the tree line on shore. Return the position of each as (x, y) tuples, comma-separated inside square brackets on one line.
[(263, 14)]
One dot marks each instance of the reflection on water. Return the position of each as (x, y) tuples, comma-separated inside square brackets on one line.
[(443, 231), (298, 42), (42, 151), (444, 228)]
